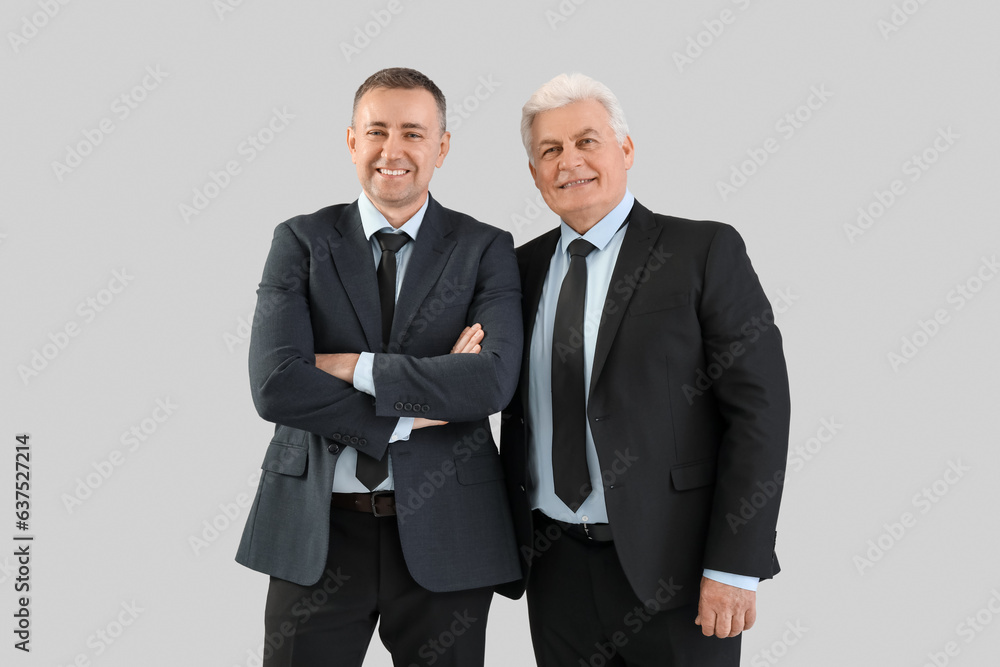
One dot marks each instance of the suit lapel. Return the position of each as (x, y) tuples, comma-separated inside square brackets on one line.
[(640, 237), (534, 268), (430, 251), (352, 258)]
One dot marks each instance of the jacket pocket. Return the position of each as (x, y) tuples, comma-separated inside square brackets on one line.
[(479, 469), (643, 304), (693, 475), (285, 458)]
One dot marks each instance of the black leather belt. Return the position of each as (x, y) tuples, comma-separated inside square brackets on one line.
[(380, 503), (586, 532)]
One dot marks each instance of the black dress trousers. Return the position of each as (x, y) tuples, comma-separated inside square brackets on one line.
[(330, 624), (583, 613)]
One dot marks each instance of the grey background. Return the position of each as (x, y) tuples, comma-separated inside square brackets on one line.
[(175, 331)]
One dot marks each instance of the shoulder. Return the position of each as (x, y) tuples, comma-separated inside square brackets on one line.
[(699, 232), (698, 237), (462, 225), (308, 224)]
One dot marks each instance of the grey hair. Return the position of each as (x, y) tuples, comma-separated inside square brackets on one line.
[(566, 89)]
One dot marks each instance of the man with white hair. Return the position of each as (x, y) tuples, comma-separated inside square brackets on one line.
[(645, 447)]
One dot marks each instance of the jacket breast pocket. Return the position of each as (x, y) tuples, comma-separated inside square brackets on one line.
[(286, 458), (654, 302), (693, 475), (478, 469)]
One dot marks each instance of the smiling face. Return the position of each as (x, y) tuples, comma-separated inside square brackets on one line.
[(396, 143), (579, 166)]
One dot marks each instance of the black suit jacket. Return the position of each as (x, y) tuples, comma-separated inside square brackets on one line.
[(688, 406), (319, 293)]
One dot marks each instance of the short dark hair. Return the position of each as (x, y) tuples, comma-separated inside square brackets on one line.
[(401, 77)]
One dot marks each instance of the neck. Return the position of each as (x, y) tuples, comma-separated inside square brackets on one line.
[(581, 227), (583, 222), (397, 216)]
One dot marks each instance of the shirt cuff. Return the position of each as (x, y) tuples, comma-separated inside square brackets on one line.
[(737, 580), (363, 379), (403, 428)]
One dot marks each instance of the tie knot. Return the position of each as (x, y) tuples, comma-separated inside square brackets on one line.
[(581, 248), (390, 241)]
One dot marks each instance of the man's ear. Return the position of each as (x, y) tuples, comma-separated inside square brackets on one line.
[(445, 146), (629, 149), (351, 139)]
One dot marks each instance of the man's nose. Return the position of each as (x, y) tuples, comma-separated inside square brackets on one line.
[(570, 158), (392, 147)]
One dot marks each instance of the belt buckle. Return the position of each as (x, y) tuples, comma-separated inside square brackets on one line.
[(373, 496)]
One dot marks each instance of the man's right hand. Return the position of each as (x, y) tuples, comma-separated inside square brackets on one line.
[(468, 343)]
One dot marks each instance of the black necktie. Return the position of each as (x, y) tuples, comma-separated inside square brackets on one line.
[(371, 472), (390, 244), (569, 396)]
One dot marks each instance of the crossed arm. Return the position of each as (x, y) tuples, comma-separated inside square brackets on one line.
[(342, 364), (289, 388)]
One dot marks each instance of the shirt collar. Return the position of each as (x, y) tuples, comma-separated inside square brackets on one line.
[(601, 233), (373, 221)]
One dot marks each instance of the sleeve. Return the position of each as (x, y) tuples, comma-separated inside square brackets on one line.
[(737, 580), (285, 384), (465, 387), (739, 334), (363, 380), (404, 427)]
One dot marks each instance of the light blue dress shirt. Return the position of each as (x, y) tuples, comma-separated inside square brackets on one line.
[(345, 479), (606, 236)]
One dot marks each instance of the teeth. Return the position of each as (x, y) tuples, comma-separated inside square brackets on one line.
[(585, 180), (393, 172)]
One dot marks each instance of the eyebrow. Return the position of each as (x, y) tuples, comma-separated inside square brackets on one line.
[(579, 135), (405, 126)]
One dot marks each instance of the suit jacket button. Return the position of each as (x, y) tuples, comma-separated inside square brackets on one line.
[(354, 440), (425, 408), (334, 449), (362, 441), (399, 405), (335, 436), (408, 407)]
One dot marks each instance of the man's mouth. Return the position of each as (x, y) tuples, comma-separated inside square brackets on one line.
[(576, 184), (392, 172)]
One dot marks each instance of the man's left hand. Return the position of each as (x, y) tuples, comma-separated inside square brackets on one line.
[(340, 365), (725, 611)]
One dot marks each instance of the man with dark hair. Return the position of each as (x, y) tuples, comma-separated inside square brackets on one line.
[(402, 78), (645, 447), (386, 332)]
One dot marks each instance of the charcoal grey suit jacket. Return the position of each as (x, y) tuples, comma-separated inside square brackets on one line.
[(319, 294)]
